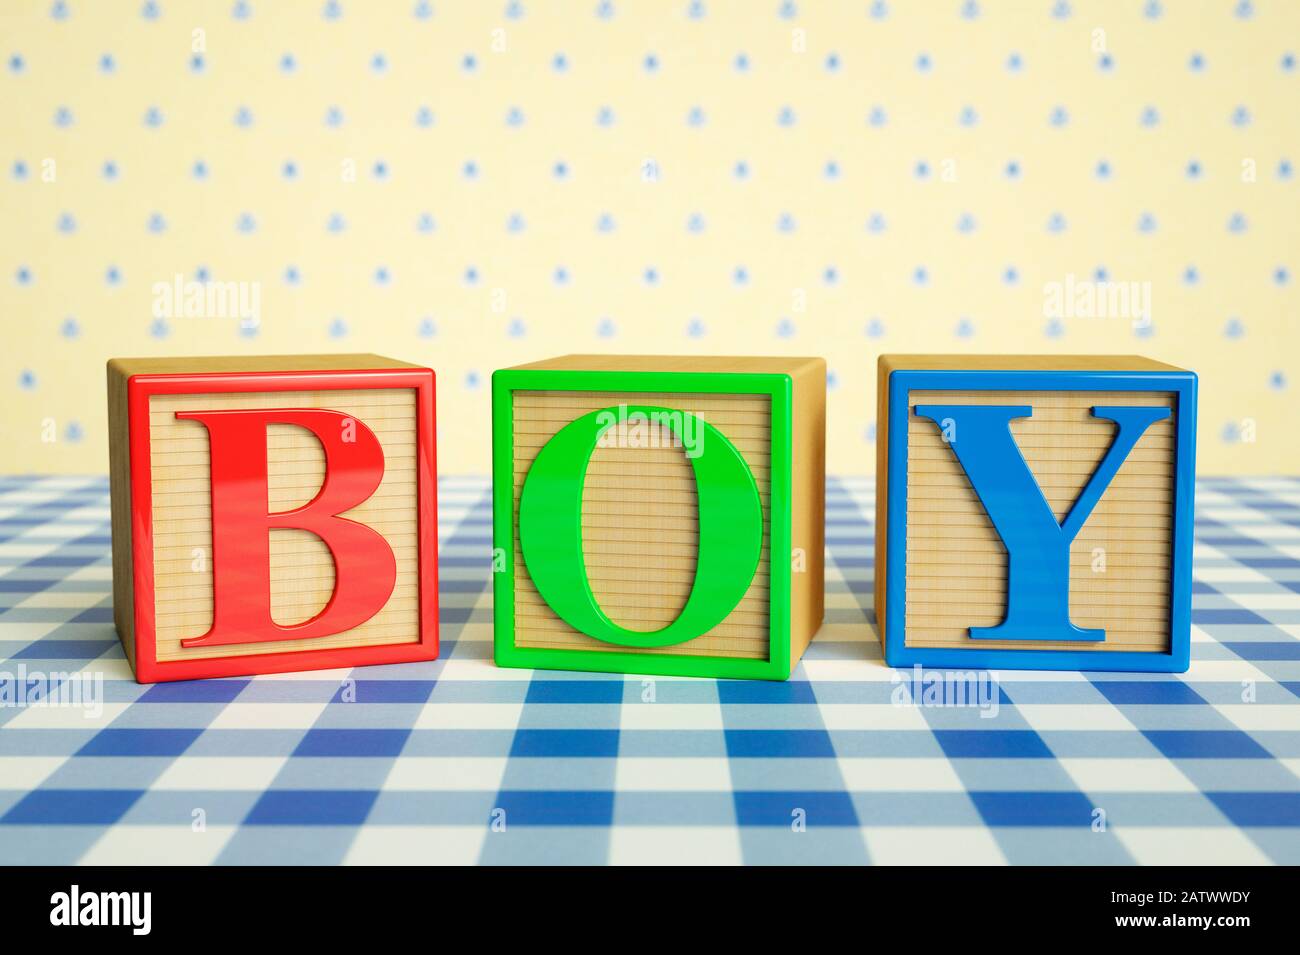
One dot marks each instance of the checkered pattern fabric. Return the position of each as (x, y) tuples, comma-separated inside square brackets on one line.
[(459, 761)]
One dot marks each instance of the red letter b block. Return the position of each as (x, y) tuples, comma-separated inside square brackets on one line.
[(272, 514)]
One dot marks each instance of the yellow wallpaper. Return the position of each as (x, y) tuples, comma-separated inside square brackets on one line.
[(472, 185)]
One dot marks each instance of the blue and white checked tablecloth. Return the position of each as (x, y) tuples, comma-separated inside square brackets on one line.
[(458, 761)]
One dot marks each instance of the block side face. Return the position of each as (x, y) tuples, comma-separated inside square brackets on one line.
[(302, 568), (808, 506), (119, 479), (640, 521)]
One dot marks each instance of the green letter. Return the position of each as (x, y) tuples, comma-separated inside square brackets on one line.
[(550, 532)]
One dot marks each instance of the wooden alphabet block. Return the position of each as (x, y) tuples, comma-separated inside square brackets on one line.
[(659, 514), (1034, 512), (272, 513)]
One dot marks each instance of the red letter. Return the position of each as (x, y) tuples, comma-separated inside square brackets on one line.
[(364, 567)]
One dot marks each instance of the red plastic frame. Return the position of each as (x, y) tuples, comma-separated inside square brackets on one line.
[(140, 388)]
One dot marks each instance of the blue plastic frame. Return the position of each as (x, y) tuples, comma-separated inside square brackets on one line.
[(1181, 383)]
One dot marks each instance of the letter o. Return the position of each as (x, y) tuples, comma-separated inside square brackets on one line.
[(550, 532)]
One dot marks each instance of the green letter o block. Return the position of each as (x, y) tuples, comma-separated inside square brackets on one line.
[(550, 532)]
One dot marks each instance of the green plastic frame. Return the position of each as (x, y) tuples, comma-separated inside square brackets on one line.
[(777, 387)]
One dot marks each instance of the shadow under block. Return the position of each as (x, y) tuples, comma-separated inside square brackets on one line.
[(272, 513), (1034, 512), (660, 515)]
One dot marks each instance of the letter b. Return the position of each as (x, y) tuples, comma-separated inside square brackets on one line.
[(364, 565)]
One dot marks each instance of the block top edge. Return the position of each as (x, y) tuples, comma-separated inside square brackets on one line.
[(1064, 363), (219, 364), (706, 364)]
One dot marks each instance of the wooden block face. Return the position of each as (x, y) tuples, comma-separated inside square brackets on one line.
[(1035, 516), (640, 522), (624, 545), (269, 521), (957, 563), (302, 568)]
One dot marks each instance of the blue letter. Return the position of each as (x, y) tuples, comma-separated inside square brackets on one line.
[(1038, 548)]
